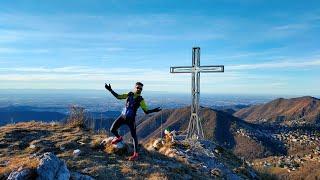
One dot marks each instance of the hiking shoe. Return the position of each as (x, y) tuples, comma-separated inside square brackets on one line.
[(116, 140), (133, 157)]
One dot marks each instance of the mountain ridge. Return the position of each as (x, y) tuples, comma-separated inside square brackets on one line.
[(301, 110), (218, 126)]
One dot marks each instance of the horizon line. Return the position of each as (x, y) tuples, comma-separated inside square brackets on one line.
[(152, 91)]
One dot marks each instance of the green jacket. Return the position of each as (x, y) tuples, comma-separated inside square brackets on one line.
[(143, 104)]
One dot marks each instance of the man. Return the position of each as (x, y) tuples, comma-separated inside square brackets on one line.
[(134, 101)]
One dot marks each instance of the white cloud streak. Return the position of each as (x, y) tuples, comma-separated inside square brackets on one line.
[(74, 77), (79, 73), (283, 64), (69, 73), (66, 27)]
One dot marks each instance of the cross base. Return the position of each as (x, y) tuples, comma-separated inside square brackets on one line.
[(195, 130)]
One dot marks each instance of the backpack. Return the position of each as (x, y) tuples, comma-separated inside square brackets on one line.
[(132, 105)]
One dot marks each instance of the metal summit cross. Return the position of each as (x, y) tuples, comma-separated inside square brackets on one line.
[(195, 128)]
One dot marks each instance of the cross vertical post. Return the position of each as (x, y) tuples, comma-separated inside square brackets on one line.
[(195, 129)]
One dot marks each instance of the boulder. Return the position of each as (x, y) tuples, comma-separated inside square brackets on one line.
[(22, 174), (52, 168)]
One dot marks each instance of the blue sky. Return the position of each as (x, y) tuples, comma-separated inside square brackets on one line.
[(267, 47)]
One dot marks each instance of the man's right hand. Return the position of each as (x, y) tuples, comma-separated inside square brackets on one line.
[(108, 87)]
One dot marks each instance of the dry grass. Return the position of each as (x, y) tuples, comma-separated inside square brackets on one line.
[(14, 163), (248, 148), (157, 176), (92, 161)]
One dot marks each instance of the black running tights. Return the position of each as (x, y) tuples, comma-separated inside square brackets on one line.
[(131, 124)]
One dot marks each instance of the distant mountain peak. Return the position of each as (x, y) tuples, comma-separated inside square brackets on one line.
[(299, 110)]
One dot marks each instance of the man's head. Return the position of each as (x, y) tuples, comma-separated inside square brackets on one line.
[(138, 87)]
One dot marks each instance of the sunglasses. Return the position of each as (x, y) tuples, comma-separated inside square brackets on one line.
[(139, 88)]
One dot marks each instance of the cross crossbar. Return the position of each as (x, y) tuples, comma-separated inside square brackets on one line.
[(191, 69)]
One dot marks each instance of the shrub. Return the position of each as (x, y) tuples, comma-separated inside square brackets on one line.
[(77, 117)]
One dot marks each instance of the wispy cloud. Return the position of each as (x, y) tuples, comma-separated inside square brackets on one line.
[(8, 36), (22, 27), (70, 69), (266, 54), (283, 64), (290, 27), (22, 50), (79, 73)]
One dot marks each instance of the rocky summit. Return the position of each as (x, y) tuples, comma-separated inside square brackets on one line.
[(48, 151)]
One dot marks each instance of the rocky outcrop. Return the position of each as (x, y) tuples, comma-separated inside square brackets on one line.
[(49, 168), (202, 155), (22, 174), (52, 168)]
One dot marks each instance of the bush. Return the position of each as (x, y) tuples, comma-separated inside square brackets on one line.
[(77, 117)]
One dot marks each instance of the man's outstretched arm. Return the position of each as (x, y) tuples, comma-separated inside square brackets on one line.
[(146, 110), (122, 96)]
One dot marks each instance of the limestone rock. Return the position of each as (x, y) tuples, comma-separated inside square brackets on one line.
[(52, 168), (76, 152), (22, 174)]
